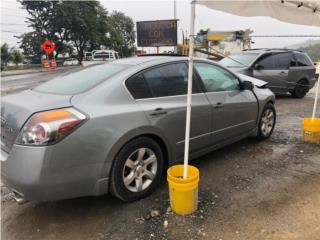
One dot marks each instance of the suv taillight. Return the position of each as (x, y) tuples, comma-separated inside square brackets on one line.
[(49, 127)]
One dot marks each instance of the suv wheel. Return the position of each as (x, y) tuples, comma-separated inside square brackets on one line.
[(267, 122), (137, 169), (301, 89)]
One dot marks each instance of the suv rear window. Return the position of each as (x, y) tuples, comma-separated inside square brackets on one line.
[(80, 80), (302, 60)]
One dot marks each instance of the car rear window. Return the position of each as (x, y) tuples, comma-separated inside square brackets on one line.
[(80, 80), (302, 60), (239, 60)]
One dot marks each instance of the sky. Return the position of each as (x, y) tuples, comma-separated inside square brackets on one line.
[(13, 20)]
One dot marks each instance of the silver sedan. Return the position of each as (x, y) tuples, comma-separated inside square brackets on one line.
[(115, 127)]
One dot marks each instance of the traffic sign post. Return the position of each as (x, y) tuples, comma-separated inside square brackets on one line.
[(48, 47)]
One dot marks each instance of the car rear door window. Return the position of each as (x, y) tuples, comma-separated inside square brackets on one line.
[(168, 80), (216, 79), (302, 60), (138, 87), (275, 62), (281, 60)]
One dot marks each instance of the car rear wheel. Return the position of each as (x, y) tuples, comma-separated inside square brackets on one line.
[(267, 122), (137, 169), (301, 89)]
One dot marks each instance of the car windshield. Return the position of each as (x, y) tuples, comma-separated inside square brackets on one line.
[(80, 80), (238, 60)]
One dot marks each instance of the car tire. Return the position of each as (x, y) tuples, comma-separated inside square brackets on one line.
[(137, 169), (301, 89), (267, 122)]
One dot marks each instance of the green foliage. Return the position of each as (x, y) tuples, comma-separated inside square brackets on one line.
[(84, 25), (313, 51), (30, 43), (5, 54), (122, 36), (16, 56), (85, 22), (8, 55)]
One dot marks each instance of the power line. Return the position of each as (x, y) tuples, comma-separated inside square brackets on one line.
[(14, 24), (8, 31), (286, 36), (11, 9)]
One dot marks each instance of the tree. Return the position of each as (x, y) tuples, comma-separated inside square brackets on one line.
[(5, 54), (43, 18), (85, 22), (30, 44), (313, 51), (16, 56), (84, 25), (122, 35)]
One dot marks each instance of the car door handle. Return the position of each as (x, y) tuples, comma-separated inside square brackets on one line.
[(218, 105), (158, 111), (283, 73)]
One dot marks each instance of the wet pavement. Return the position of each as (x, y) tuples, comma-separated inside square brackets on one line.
[(248, 190)]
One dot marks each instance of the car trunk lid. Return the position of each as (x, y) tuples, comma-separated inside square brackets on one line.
[(17, 108)]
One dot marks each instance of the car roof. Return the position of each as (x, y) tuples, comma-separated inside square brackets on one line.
[(266, 50), (150, 59)]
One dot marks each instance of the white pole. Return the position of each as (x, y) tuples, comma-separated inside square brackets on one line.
[(189, 98), (316, 97), (175, 17)]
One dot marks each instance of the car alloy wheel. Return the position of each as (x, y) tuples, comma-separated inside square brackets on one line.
[(140, 169), (137, 169), (267, 122)]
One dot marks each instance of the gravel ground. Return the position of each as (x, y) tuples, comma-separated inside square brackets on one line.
[(248, 190)]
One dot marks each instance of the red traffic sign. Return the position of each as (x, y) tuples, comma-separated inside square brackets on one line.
[(48, 46)]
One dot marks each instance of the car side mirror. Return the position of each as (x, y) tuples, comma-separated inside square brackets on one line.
[(246, 85), (257, 66)]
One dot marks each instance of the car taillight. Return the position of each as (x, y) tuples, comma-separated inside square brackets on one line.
[(314, 67), (48, 127)]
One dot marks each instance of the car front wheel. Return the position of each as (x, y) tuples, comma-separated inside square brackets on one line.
[(137, 169), (267, 122)]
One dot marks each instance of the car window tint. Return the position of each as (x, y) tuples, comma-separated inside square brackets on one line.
[(138, 87), (281, 60), (216, 79), (168, 80), (302, 60), (293, 62), (266, 62), (80, 80)]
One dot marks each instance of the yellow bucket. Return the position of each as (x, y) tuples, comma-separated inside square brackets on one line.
[(311, 130), (183, 192)]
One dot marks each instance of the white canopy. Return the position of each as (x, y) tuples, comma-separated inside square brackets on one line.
[(297, 12)]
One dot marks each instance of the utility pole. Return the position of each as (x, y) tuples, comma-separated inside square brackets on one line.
[(175, 17)]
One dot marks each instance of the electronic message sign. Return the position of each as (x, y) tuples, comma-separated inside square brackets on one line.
[(157, 33)]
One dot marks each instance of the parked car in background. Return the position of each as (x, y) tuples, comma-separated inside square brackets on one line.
[(88, 56), (71, 62), (317, 65), (284, 70), (115, 127), (104, 55)]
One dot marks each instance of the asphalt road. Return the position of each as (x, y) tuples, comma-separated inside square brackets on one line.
[(249, 190), (16, 83)]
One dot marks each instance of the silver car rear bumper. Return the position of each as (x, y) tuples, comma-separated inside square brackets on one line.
[(29, 173)]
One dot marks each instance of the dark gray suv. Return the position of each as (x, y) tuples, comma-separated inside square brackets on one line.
[(284, 70)]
